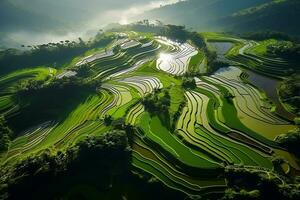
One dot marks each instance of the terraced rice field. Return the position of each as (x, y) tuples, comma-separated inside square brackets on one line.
[(245, 54), (223, 121), (176, 63)]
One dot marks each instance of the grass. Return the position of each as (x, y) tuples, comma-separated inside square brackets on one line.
[(195, 62)]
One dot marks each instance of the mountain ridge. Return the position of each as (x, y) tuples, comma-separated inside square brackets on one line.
[(245, 16)]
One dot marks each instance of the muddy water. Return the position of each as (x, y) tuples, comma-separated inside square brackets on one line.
[(221, 47), (269, 85)]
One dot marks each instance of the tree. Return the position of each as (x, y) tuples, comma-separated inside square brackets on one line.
[(107, 158), (228, 96), (5, 134), (290, 140), (108, 120), (188, 83)]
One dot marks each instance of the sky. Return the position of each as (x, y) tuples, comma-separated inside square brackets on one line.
[(40, 21)]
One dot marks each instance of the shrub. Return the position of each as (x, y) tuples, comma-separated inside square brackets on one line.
[(188, 83), (5, 134), (290, 140), (94, 162)]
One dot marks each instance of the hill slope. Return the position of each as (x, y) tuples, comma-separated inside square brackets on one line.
[(281, 15), (232, 15)]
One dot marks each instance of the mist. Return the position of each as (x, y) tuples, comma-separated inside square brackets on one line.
[(30, 22)]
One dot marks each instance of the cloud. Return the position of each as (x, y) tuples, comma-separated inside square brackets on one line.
[(80, 17), (125, 15)]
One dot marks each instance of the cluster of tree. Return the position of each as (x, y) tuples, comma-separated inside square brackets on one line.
[(47, 54), (175, 32), (98, 163), (188, 83), (180, 33), (84, 70), (265, 35), (5, 134), (49, 101), (213, 62), (251, 184), (285, 49), (197, 40), (158, 103), (139, 26), (289, 92), (32, 86), (290, 141), (228, 96), (216, 64), (108, 120)]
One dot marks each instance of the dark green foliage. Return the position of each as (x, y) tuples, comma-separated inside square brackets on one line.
[(213, 62), (289, 92), (48, 102), (175, 32), (249, 184), (96, 163), (140, 26), (31, 85), (273, 16), (231, 194), (265, 35), (197, 39), (84, 70), (46, 54), (180, 33), (188, 83), (217, 64), (158, 104), (228, 96), (290, 141), (285, 49), (5, 134), (117, 49), (108, 120)]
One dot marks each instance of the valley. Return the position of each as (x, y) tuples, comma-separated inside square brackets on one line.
[(188, 122)]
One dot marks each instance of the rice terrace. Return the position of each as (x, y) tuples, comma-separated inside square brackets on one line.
[(152, 111)]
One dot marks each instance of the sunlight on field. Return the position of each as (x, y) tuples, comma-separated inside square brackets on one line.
[(165, 57)]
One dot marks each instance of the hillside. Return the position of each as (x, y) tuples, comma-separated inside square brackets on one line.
[(138, 115), (279, 15), (217, 15), (36, 19)]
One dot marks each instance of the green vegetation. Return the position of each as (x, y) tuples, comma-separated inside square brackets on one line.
[(51, 54), (175, 117), (290, 140), (265, 35), (250, 184), (188, 83), (232, 16), (289, 94), (285, 49), (106, 157), (180, 33), (158, 104), (5, 135)]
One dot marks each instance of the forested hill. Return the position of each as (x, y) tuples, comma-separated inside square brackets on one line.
[(280, 15), (232, 15), (14, 16)]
